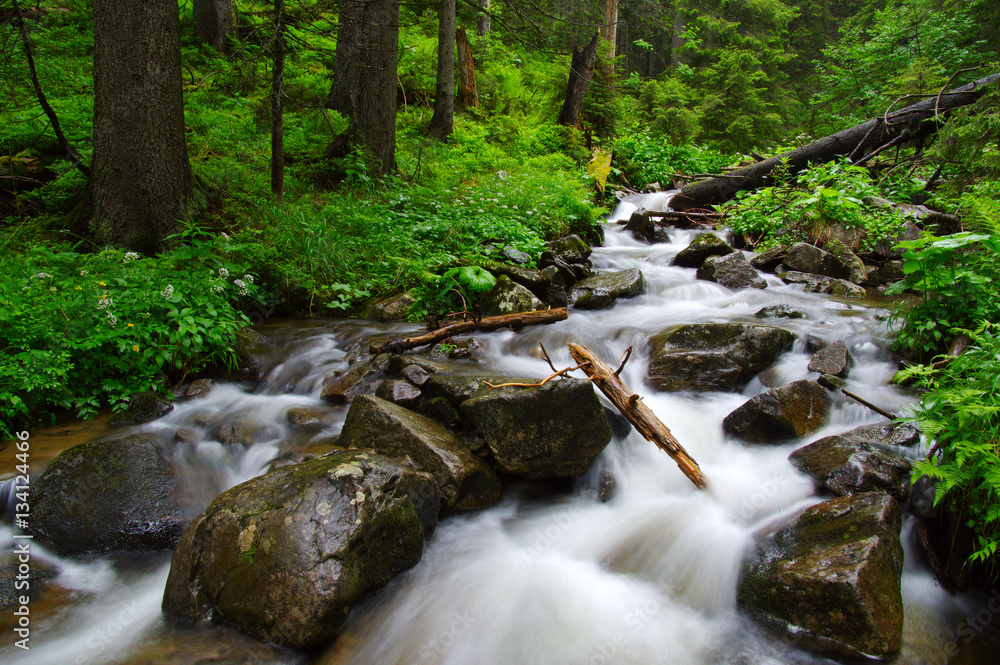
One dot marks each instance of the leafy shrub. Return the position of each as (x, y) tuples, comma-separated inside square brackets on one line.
[(80, 331), (641, 158)]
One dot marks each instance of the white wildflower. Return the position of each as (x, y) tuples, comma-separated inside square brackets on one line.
[(112, 319), (167, 292), (105, 302), (248, 278), (225, 236), (130, 256), (84, 273), (241, 285), (218, 288), (41, 275), (52, 288), (223, 273)]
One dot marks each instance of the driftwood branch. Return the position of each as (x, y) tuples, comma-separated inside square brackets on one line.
[(485, 324), (636, 411)]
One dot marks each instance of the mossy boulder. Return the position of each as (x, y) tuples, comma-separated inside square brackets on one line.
[(391, 308), (714, 356), (830, 578), (702, 247), (600, 291), (464, 481), (780, 414), (107, 496), (508, 297), (836, 260), (732, 271), (358, 379), (547, 432), (571, 249), (286, 555), (535, 281), (842, 467), (142, 408), (769, 259), (892, 433), (399, 391), (819, 284)]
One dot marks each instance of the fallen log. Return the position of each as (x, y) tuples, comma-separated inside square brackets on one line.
[(866, 139), (485, 324), (636, 411)]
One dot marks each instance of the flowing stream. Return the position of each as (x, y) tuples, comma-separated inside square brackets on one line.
[(647, 578)]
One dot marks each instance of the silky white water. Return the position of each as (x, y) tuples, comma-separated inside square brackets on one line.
[(648, 577)]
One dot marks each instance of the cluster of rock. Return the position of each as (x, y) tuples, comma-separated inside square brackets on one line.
[(285, 555)]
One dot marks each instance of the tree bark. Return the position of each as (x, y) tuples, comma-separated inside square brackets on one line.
[(485, 324), (609, 31), (141, 177), (859, 142), (484, 20), (469, 93), (443, 120), (43, 101), (277, 112), (636, 411), (213, 21), (581, 71), (364, 77)]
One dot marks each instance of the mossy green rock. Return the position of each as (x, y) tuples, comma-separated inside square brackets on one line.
[(842, 467), (732, 271), (107, 496), (830, 578), (547, 432), (464, 481), (780, 414), (702, 247), (714, 356), (286, 555), (507, 297), (600, 291)]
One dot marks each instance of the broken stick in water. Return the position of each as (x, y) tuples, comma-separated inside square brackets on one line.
[(636, 411)]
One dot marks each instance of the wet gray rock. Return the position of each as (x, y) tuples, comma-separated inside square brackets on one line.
[(769, 259), (843, 466), (839, 263), (391, 308), (399, 392), (779, 312), (803, 257), (732, 271), (241, 430), (308, 418), (107, 496), (571, 249), (535, 281), (359, 379), (457, 388), (547, 432), (714, 356), (506, 297), (286, 555), (819, 284), (702, 247), (892, 433), (891, 271), (142, 408), (644, 229), (463, 480), (199, 388), (834, 360), (600, 291), (830, 578), (780, 414), (415, 374)]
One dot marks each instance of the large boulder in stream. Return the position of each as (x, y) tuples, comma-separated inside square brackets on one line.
[(834, 360), (843, 466), (714, 356), (600, 291), (508, 297), (780, 414), (107, 496), (286, 555), (732, 271), (819, 284), (702, 247), (464, 481), (547, 432), (839, 263), (830, 578)]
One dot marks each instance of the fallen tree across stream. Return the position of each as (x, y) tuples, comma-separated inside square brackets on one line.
[(861, 143), (485, 323), (635, 410)]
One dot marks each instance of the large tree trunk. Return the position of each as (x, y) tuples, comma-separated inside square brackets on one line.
[(581, 70), (443, 120), (213, 21), (859, 142), (609, 31), (364, 77), (469, 93), (142, 180), (277, 111)]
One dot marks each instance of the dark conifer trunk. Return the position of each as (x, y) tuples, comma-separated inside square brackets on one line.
[(364, 78), (213, 21), (443, 120), (277, 118), (141, 178), (484, 21), (581, 71), (469, 97)]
